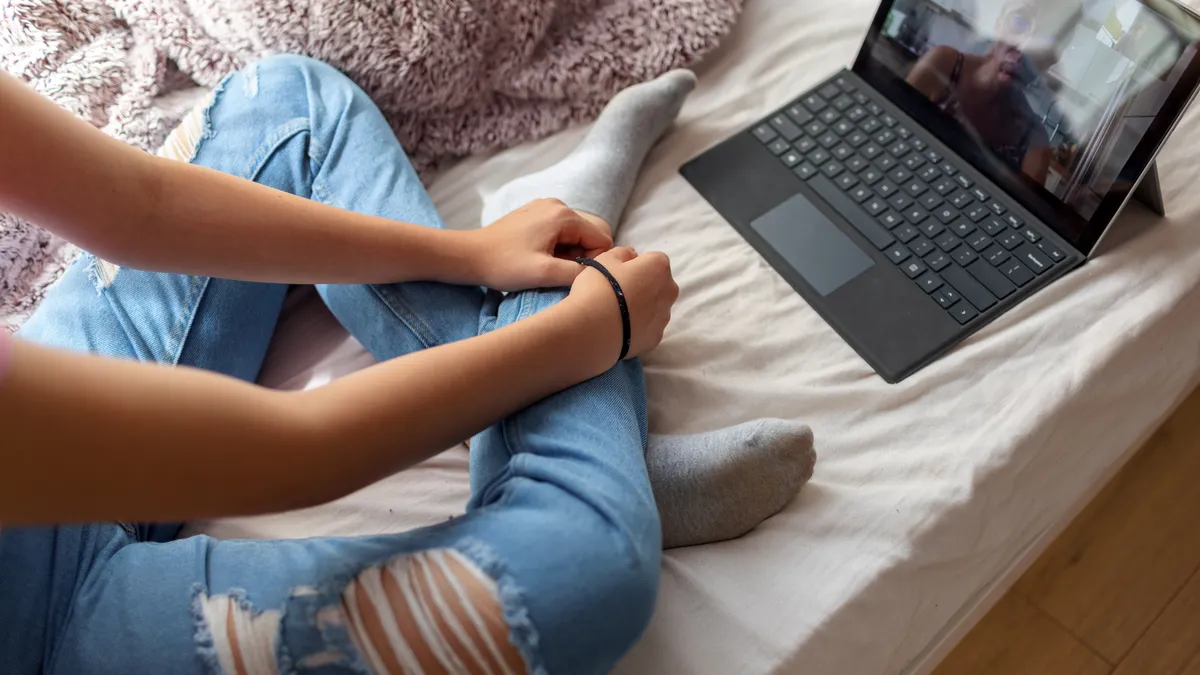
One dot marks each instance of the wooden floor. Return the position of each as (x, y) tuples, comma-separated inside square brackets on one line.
[(1119, 591)]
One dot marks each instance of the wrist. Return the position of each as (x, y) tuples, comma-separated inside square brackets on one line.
[(593, 326), (456, 257)]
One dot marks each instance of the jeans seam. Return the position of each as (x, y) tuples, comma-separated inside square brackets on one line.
[(282, 134), (411, 319)]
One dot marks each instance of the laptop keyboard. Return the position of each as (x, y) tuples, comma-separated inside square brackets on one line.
[(964, 247)]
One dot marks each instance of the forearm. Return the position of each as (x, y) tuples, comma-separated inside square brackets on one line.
[(146, 212), (178, 444)]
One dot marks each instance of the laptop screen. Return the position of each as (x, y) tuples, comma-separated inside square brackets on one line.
[(1063, 102)]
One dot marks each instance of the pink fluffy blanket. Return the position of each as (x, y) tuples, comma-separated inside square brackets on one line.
[(454, 77)]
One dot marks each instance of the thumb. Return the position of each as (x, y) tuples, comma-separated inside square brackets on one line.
[(587, 235)]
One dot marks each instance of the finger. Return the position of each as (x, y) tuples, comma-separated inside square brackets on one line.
[(620, 254), (591, 235)]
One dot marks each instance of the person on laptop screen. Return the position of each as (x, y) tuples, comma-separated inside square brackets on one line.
[(986, 89)]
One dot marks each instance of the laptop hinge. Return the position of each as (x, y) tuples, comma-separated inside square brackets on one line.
[(1149, 191)]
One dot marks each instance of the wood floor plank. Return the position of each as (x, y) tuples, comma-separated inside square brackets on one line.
[(1172, 645), (1015, 637), (1111, 573)]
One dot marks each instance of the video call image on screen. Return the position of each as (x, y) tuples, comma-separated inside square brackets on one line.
[(1059, 90)]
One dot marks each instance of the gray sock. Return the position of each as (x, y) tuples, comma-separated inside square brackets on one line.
[(598, 176), (720, 485)]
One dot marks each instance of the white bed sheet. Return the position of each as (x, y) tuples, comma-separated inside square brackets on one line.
[(926, 492)]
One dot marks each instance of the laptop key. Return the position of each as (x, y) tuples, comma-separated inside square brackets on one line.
[(764, 133), (779, 146), (979, 241), (949, 169), (964, 255), (946, 214), (903, 133), (829, 116), (962, 227), (828, 140), (993, 226), (885, 137), (992, 279), (844, 84), (972, 290), (814, 103), (856, 114), (897, 254), (871, 176), (871, 151), (900, 149), (998, 208), (874, 109), (938, 261), (980, 194), (799, 114), (900, 201), (819, 156), (1034, 259), (899, 175), (874, 205), (915, 188), (1017, 273), (886, 189), (996, 255), (785, 127), (829, 91), (932, 228), (791, 158), (945, 186), (977, 213), (921, 247), (945, 296), (832, 169), (1052, 251), (1013, 221), (860, 98), (933, 157), (962, 180), (906, 233), (930, 282), (947, 241), (856, 164), (914, 268), (916, 214), (913, 162), (963, 312), (815, 128), (805, 145), (805, 170), (929, 174), (861, 193), (846, 181), (843, 127), (889, 120), (890, 219), (870, 125), (857, 139), (843, 152), (886, 162), (919, 145), (843, 103), (1010, 240), (961, 199), (930, 201), (1031, 236)]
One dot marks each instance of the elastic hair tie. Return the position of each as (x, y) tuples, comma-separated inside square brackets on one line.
[(625, 328)]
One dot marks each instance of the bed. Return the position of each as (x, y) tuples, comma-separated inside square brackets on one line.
[(931, 496)]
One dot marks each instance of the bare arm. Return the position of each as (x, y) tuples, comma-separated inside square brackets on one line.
[(88, 439), (145, 212)]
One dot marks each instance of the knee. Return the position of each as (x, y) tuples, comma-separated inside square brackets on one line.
[(326, 95)]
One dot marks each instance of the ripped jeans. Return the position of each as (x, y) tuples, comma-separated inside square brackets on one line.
[(561, 526)]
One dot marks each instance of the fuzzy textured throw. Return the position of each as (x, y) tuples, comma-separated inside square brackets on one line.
[(454, 77)]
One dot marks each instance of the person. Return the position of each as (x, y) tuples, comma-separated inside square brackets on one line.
[(290, 175), (985, 91)]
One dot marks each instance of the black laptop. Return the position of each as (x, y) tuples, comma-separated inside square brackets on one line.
[(977, 151)]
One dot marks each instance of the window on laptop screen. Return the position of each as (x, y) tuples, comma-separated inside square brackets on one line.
[(1057, 92)]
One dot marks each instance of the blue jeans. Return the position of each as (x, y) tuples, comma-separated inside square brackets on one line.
[(561, 517)]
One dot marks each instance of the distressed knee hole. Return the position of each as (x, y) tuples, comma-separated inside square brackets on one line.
[(183, 141), (244, 640), (430, 612), (103, 273)]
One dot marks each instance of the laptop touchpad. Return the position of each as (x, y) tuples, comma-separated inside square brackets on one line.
[(812, 244)]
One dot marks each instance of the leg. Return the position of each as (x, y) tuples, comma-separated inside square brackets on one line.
[(709, 487)]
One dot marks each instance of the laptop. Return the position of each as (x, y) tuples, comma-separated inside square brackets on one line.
[(976, 151)]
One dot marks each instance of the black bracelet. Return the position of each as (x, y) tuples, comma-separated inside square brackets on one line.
[(588, 262)]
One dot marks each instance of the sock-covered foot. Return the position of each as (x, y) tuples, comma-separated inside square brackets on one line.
[(720, 485), (599, 175)]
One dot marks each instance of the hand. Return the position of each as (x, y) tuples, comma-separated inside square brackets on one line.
[(649, 289), (536, 247)]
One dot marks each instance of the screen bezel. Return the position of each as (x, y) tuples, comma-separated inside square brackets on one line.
[(1065, 220)]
